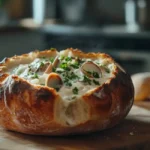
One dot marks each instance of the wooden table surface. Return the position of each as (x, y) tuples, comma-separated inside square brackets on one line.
[(131, 134)]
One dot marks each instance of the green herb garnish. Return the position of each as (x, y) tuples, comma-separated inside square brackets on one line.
[(66, 80), (88, 72), (64, 66), (51, 59), (87, 80), (59, 71), (105, 67), (75, 91), (69, 76), (35, 75), (96, 82), (73, 76), (52, 49), (53, 69), (68, 84), (19, 72), (107, 70), (43, 57), (95, 74), (62, 57), (75, 65), (68, 59), (42, 84), (41, 64)]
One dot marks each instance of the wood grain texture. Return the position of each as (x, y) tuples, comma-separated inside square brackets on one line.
[(132, 133)]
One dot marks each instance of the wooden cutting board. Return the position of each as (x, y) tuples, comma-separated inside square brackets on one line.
[(132, 133)]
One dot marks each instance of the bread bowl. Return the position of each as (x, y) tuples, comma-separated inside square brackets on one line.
[(141, 82), (60, 93)]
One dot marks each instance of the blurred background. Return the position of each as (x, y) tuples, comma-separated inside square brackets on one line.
[(120, 28)]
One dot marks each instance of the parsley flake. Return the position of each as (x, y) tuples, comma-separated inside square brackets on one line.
[(41, 64), (35, 76), (51, 59), (75, 65), (62, 57), (68, 59), (87, 80), (52, 49), (107, 70), (68, 84), (96, 82), (65, 66), (75, 90), (95, 74)]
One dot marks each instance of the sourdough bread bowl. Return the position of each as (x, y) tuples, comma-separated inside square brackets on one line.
[(60, 93), (141, 82)]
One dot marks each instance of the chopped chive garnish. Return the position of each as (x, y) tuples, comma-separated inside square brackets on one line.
[(95, 74), (107, 70), (64, 66), (51, 59), (53, 69), (68, 84), (62, 57), (88, 72), (41, 64), (68, 59), (43, 57), (59, 71), (86, 80), (42, 84), (52, 49), (35, 75), (75, 91), (96, 82), (75, 65), (105, 67)]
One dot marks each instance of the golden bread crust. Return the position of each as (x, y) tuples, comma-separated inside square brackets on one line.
[(141, 82)]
